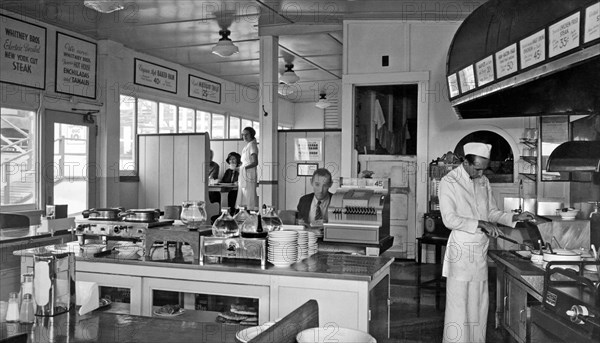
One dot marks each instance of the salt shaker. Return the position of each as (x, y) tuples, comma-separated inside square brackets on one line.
[(12, 314), (26, 315)]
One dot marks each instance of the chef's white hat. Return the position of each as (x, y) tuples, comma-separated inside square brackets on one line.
[(479, 149)]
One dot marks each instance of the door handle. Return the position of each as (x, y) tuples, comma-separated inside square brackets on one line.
[(521, 315)]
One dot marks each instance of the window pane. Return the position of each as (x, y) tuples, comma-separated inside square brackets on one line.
[(147, 112), (18, 129), (202, 121), (218, 126), (186, 120), (246, 123), (234, 127), (256, 127), (166, 118), (127, 133)]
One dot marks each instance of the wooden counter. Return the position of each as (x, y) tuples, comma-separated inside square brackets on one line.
[(105, 327), (352, 291)]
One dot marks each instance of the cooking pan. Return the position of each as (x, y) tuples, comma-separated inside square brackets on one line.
[(103, 213), (142, 216)]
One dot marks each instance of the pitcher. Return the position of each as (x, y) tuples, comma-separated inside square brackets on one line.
[(193, 214)]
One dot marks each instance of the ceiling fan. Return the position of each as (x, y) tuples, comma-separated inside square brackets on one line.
[(224, 46)]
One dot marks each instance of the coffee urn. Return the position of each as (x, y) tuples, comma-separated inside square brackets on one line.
[(53, 283)]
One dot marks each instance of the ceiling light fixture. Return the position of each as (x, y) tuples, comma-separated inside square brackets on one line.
[(225, 46), (322, 103), (104, 6), (289, 77), (284, 89)]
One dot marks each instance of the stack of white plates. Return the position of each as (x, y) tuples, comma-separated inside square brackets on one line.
[(313, 247), (302, 245), (283, 248)]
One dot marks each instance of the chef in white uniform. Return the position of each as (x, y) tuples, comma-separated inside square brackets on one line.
[(468, 209)]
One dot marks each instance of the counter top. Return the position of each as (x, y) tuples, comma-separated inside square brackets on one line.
[(530, 274), (321, 265), (24, 234), (99, 326)]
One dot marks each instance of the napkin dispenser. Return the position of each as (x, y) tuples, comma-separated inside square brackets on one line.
[(53, 283)]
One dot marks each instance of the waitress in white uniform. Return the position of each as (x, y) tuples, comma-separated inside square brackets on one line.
[(248, 179), (468, 208)]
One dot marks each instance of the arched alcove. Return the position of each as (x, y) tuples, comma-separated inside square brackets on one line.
[(501, 167)]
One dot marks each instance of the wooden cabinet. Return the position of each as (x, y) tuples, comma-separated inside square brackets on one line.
[(516, 312)]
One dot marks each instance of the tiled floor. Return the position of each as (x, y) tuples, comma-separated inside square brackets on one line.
[(418, 319)]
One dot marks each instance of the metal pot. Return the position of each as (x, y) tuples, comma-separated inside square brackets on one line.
[(142, 216), (103, 213)]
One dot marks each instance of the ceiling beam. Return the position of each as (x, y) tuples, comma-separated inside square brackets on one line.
[(296, 29), (308, 61)]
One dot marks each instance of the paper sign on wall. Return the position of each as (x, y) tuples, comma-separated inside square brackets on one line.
[(467, 79), (75, 66), (485, 71), (204, 89), (308, 149), (453, 86), (592, 23), (533, 49), (506, 61), (22, 53), (155, 76), (564, 35)]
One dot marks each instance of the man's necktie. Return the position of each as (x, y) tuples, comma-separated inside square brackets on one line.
[(318, 213)]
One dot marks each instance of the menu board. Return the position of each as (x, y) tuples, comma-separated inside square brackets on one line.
[(154, 76), (485, 71), (22, 53), (506, 61), (204, 89), (592, 23), (75, 66), (533, 49), (564, 35), (308, 149), (453, 85), (467, 79)]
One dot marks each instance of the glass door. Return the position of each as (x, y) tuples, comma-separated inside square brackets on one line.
[(69, 160)]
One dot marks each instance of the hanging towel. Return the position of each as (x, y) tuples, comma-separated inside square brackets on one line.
[(378, 118)]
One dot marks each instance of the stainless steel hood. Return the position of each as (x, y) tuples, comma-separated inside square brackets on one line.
[(575, 156)]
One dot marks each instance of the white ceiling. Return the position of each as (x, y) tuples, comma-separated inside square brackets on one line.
[(184, 31)]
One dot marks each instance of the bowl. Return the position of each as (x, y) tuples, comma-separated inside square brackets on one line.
[(128, 251), (569, 214), (334, 334), (92, 248)]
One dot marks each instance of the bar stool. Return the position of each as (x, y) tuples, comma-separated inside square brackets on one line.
[(437, 283)]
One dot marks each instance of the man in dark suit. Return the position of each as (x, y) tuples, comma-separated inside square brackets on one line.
[(312, 208)]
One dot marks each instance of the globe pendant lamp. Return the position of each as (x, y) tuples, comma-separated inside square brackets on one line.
[(289, 77), (284, 89), (104, 6), (225, 46), (322, 103)]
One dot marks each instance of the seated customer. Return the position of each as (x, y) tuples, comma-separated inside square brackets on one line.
[(231, 176), (312, 208)]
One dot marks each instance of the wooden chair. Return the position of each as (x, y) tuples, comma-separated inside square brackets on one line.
[(285, 330)]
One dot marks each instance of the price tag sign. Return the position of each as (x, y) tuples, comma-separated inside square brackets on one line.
[(467, 79), (453, 85), (506, 61), (564, 35), (485, 71), (533, 49), (592, 23)]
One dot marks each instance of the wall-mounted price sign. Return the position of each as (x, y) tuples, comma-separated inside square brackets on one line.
[(533, 49), (506, 61), (467, 79), (564, 35), (453, 85), (592, 23), (485, 71)]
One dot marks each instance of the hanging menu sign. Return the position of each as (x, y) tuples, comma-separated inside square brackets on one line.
[(506, 61), (453, 85), (485, 71), (564, 35), (155, 76), (22, 53), (204, 89), (533, 49), (75, 66), (467, 79), (592, 23)]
